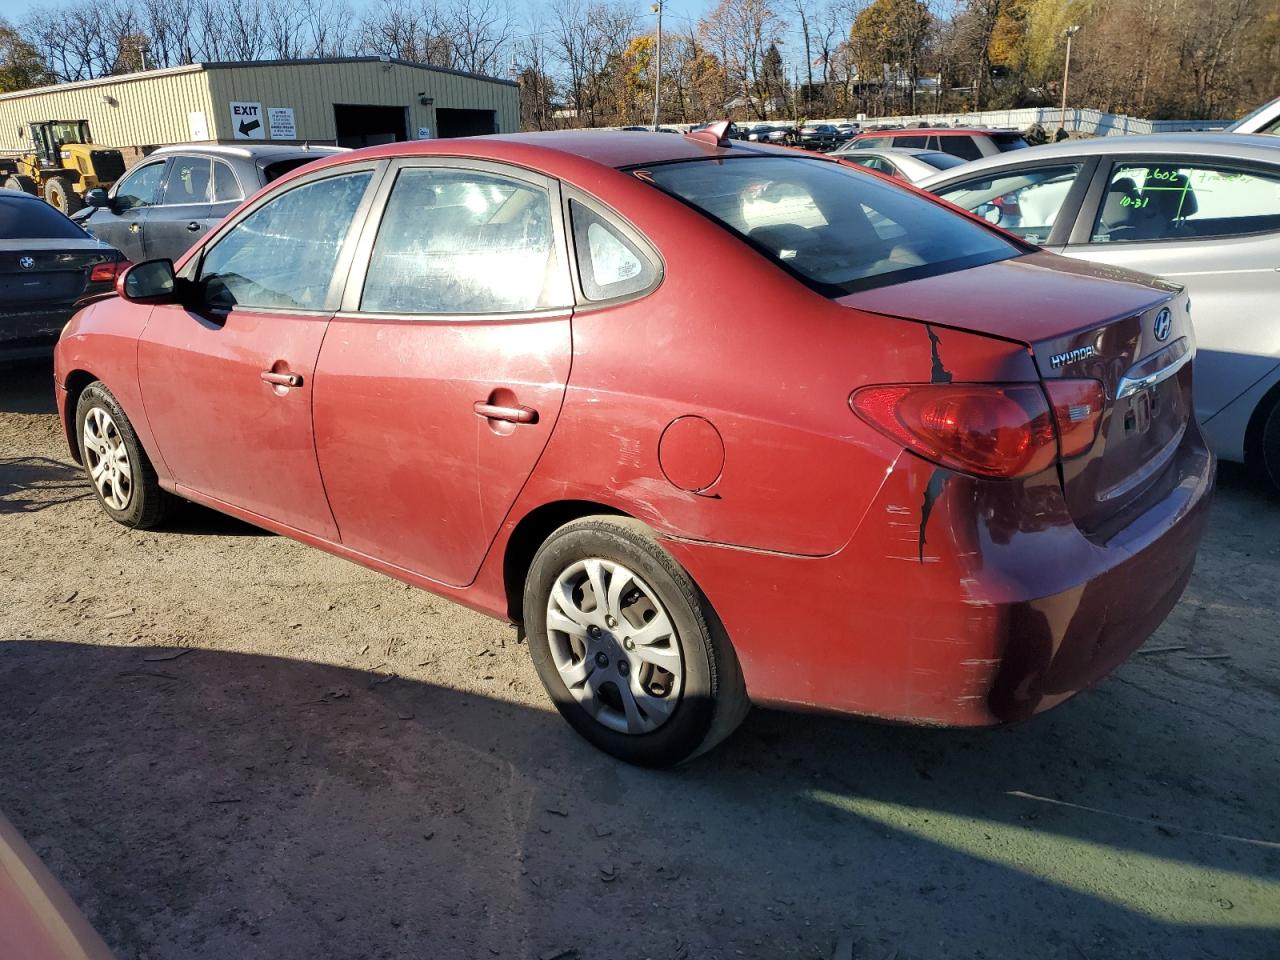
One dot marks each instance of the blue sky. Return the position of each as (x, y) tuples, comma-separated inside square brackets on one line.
[(679, 14)]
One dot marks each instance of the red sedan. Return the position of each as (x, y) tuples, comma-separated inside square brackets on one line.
[(715, 423)]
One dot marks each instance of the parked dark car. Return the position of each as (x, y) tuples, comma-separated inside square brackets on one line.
[(821, 136), (169, 200), (48, 268)]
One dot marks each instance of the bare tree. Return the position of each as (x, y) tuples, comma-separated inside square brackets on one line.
[(744, 30), (480, 31)]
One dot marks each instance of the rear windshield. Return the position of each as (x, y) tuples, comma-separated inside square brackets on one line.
[(274, 171), (1009, 141), (23, 219), (942, 161), (837, 229)]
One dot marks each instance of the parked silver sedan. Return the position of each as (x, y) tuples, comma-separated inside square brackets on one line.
[(905, 163), (1200, 209)]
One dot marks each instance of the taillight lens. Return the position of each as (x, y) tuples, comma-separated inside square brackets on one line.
[(1077, 409), (992, 430), (107, 272)]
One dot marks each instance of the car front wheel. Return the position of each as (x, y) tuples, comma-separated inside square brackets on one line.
[(626, 645), (115, 463)]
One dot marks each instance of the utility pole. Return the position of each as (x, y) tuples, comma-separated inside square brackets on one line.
[(1066, 74), (657, 69)]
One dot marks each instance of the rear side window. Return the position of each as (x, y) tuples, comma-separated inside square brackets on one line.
[(834, 228), (225, 186), (879, 164), (960, 146), (274, 171), (610, 265), (916, 142), (1185, 201), (1025, 202), (465, 241), (22, 219), (282, 255), (188, 181)]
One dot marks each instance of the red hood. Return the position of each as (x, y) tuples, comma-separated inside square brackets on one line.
[(1029, 299)]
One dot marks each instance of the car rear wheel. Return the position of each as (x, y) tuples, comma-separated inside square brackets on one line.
[(123, 478), (1269, 449), (627, 646)]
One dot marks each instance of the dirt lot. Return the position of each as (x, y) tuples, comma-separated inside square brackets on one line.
[(338, 767)]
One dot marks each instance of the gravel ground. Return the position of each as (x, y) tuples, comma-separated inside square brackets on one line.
[(226, 744)]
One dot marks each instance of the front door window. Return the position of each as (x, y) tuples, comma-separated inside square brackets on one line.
[(282, 256)]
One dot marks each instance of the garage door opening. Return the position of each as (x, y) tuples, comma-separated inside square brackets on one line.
[(465, 123), (360, 125)]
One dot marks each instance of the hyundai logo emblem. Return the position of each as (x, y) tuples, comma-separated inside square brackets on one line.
[(1164, 323), (26, 263)]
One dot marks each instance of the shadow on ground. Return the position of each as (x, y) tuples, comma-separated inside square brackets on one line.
[(28, 484), (268, 807), (26, 386)]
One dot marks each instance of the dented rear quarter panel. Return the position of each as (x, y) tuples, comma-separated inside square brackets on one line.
[(773, 373)]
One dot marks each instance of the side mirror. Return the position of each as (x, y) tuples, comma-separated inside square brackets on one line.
[(97, 197), (151, 281)]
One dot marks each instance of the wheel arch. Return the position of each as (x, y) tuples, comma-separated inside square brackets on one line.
[(530, 533), (1257, 420), (76, 382)]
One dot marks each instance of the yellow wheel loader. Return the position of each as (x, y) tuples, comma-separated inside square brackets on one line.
[(64, 164)]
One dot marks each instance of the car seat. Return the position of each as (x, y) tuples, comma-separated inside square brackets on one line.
[(1169, 201), (1119, 210)]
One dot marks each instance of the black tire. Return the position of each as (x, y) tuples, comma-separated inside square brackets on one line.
[(1269, 449), (60, 195), (141, 502), (711, 700), (25, 184)]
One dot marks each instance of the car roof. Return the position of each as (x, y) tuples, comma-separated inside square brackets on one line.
[(266, 151), (916, 131), (609, 148), (1235, 146), (892, 151)]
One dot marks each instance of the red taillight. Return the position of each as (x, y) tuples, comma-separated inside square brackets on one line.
[(1077, 408), (989, 429), (107, 272)]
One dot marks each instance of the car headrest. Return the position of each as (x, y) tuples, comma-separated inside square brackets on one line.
[(1171, 197)]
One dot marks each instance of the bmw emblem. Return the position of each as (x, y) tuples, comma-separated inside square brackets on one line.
[(1164, 323), (26, 263)]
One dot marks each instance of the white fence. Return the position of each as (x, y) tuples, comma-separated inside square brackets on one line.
[(1092, 122)]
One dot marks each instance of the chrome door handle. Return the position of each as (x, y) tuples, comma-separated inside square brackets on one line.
[(281, 379), (491, 411), (193, 226)]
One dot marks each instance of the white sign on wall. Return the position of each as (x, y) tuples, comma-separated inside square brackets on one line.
[(199, 125), (424, 133), (281, 124), (246, 121)]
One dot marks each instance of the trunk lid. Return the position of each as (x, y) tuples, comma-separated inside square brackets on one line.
[(46, 274), (1130, 331)]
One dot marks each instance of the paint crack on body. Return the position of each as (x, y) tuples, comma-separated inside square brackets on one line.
[(932, 491)]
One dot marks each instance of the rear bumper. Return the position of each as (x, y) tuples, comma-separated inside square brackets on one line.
[(978, 623), (28, 334)]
